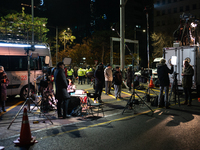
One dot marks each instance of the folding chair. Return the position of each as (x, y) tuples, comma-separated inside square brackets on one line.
[(94, 105)]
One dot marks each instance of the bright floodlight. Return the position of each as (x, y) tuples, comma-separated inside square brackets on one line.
[(113, 29), (193, 25)]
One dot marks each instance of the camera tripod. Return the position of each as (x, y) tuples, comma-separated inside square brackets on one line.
[(174, 88), (132, 101), (27, 100)]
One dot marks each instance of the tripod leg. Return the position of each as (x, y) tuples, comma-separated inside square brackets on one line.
[(128, 103), (144, 102), (41, 111), (17, 113), (170, 94)]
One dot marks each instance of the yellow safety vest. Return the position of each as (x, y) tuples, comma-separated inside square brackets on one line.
[(84, 72), (80, 72), (70, 72), (89, 70)]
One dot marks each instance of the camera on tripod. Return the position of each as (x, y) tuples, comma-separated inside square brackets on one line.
[(45, 89)]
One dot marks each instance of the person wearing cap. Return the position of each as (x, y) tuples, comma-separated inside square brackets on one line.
[(108, 78), (61, 91), (187, 74), (3, 88), (163, 76)]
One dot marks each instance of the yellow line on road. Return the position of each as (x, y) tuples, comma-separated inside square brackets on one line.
[(98, 124), (11, 107)]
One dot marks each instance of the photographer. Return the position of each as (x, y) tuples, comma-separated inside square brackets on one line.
[(163, 75)]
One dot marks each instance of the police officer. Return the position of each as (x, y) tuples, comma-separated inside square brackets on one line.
[(70, 73), (84, 74), (89, 70), (80, 75)]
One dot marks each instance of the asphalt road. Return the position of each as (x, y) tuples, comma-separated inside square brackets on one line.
[(166, 129)]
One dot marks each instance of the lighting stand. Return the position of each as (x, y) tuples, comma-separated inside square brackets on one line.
[(174, 89), (132, 101), (28, 99)]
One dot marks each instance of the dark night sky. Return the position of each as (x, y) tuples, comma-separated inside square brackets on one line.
[(71, 13), (68, 12), (65, 12)]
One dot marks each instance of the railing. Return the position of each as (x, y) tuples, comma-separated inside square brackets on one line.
[(11, 32)]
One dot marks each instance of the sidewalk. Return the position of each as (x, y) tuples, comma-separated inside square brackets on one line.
[(111, 107)]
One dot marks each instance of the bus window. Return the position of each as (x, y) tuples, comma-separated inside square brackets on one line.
[(18, 63), (42, 61), (37, 64), (34, 64), (4, 61)]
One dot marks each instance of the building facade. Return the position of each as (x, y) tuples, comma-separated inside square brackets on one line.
[(167, 14)]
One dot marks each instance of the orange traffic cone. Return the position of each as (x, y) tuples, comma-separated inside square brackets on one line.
[(198, 99), (25, 134), (151, 85)]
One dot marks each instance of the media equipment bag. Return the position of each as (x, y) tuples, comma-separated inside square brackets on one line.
[(155, 101), (74, 104)]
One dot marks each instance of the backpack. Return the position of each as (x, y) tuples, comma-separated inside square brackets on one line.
[(154, 102)]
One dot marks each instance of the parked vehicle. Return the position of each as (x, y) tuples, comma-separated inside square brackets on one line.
[(190, 53), (14, 59), (154, 68)]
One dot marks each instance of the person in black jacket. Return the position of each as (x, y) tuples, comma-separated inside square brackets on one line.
[(99, 81), (117, 78), (163, 76), (61, 90)]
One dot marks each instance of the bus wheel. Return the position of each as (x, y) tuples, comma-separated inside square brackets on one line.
[(24, 92)]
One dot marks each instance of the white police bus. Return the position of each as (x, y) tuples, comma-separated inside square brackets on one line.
[(13, 58)]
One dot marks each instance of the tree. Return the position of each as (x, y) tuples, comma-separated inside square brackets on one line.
[(101, 45), (65, 36), (159, 42), (19, 26)]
